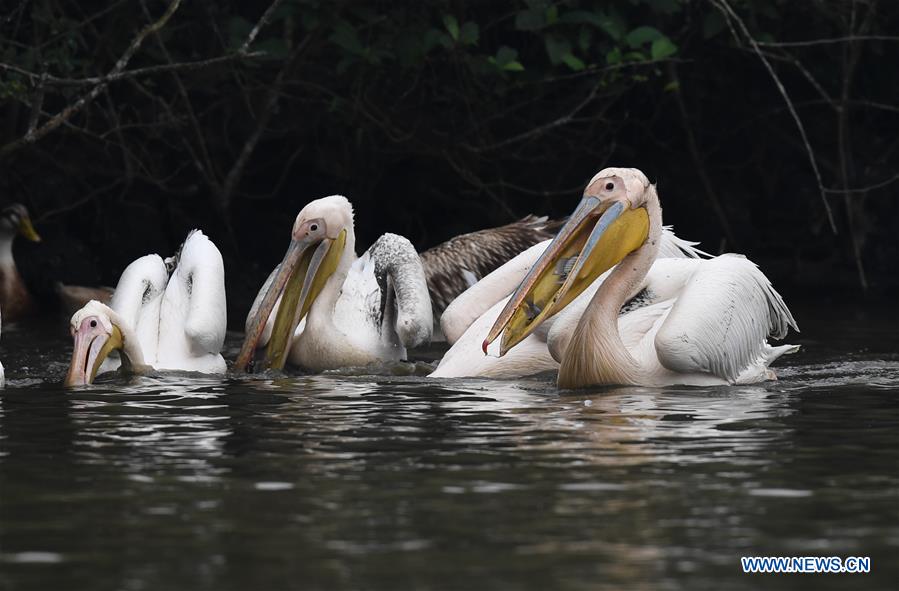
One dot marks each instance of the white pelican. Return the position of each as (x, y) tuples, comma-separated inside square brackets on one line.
[(15, 300), (706, 322), (346, 311), (165, 315), (469, 317)]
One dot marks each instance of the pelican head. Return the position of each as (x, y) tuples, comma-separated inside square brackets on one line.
[(317, 242), (96, 333), (14, 219), (610, 222)]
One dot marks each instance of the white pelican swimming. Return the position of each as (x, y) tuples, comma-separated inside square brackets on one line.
[(164, 315), (324, 308), (703, 321), (468, 319)]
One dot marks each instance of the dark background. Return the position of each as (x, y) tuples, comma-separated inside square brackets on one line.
[(437, 118)]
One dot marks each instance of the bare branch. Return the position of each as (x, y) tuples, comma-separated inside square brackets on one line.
[(75, 107), (698, 161), (729, 15), (262, 22), (879, 185), (137, 72), (271, 103), (813, 42), (541, 129)]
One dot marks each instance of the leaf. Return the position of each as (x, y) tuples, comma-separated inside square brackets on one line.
[(435, 37), (642, 35), (613, 25), (556, 48), (452, 26), (505, 55), (634, 56), (573, 62), (662, 48), (672, 86), (613, 57), (507, 59), (584, 38), (509, 66), (469, 34), (552, 15)]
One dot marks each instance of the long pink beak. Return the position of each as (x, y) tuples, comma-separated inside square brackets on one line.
[(83, 367)]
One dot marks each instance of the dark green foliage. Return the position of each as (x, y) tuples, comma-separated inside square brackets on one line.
[(440, 117)]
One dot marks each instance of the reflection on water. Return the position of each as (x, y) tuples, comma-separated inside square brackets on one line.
[(397, 481)]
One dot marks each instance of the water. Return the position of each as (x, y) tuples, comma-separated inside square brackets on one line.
[(399, 482)]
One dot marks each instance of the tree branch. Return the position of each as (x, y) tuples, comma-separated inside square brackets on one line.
[(70, 110), (729, 15)]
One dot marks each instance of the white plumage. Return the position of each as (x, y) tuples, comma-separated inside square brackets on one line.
[(369, 309), (358, 320), (685, 321), (166, 321), (468, 319)]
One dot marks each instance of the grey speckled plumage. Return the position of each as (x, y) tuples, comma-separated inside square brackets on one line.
[(452, 267)]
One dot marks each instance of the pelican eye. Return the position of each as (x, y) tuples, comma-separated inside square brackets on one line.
[(313, 227), (93, 324), (610, 186)]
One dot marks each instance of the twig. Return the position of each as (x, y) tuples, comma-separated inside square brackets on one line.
[(271, 103), (850, 55), (262, 22), (207, 168), (698, 161), (812, 42), (135, 73), (729, 14), (66, 113), (541, 129), (878, 185)]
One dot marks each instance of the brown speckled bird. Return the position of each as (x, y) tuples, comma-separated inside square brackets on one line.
[(460, 262)]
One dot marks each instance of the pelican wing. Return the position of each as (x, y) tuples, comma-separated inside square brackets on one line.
[(460, 262), (720, 321), (468, 319), (141, 282), (202, 271), (404, 302)]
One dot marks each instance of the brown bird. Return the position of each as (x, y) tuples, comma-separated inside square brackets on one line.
[(16, 302), (460, 262)]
